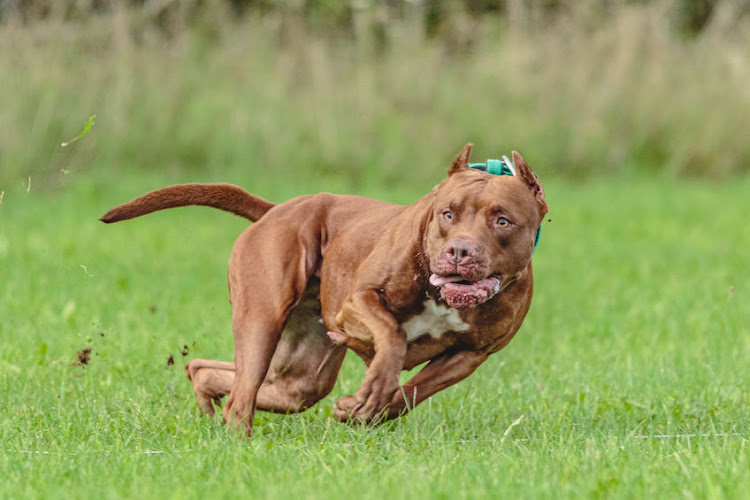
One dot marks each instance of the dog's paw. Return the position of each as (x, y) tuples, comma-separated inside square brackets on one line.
[(370, 409), (346, 409), (238, 417)]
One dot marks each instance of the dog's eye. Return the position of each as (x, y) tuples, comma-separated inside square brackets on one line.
[(447, 215), (503, 222)]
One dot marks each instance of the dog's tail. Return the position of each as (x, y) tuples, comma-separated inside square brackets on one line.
[(226, 197)]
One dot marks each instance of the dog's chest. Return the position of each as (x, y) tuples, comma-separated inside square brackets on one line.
[(435, 320)]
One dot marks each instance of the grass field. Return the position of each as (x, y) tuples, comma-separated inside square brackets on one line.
[(628, 379)]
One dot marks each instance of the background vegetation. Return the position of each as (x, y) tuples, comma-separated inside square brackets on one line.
[(629, 378), (371, 93)]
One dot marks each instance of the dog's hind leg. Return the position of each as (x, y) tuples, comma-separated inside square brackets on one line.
[(290, 393), (212, 380), (270, 266), (302, 372), (271, 272)]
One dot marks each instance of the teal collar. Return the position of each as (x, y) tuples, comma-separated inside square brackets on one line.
[(503, 167)]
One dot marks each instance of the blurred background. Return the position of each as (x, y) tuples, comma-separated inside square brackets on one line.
[(362, 95)]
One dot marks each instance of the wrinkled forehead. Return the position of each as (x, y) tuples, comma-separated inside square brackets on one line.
[(480, 190)]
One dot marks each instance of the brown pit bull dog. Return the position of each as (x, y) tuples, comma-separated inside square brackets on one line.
[(446, 280)]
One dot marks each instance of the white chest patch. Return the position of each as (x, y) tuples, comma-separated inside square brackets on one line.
[(435, 320)]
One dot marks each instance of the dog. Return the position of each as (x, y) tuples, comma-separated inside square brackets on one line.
[(446, 280)]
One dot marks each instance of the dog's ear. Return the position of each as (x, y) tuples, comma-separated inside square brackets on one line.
[(529, 177), (462, 160)]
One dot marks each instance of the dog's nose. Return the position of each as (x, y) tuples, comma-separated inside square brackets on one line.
[(460, 252)]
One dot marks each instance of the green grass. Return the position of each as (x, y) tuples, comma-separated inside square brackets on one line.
[(629, 377)]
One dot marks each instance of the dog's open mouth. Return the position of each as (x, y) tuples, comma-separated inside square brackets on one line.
[(460, 293)]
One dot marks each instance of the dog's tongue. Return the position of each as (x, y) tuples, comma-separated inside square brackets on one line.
[(439, 281)]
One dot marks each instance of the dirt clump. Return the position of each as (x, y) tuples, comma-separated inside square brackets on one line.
[(83, 357)]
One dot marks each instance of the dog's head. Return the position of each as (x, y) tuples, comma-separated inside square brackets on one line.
[(482, 230)]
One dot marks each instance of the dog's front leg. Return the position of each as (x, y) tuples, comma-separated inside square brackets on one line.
[(440, 373), (363, 315)]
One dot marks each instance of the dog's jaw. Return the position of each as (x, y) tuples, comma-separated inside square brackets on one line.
[(461, 295)]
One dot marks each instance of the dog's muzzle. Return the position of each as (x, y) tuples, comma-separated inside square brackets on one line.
[(462, 294)]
